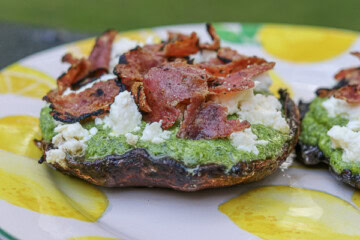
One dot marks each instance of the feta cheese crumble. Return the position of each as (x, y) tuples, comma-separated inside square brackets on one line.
[(103, 78), (231, 100), (71, 139), (266, 110), (348, 140), (246, 140), (335, 107), (264, 82), (124, 116), (154, 133), (131, 139)]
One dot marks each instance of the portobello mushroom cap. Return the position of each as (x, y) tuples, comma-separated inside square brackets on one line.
[(138, 168), (312, 155)]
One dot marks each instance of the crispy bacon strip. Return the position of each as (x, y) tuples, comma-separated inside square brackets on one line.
[(227, 55), (356, 54), (86, 68), (215, 45), (100, 55), (137, 90), (208, 121), (239, 81), (75, 73), (181, 45), (222, 70), (170, 85), (350, 93), (91, 102), (137, 62), (69, 58)]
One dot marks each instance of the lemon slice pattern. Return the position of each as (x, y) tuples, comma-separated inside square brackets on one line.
[(304, 43), (17, 134), (27, 184), (283, 213), (25, 81)]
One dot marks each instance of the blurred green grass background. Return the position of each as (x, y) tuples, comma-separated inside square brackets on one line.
[(97, 15)]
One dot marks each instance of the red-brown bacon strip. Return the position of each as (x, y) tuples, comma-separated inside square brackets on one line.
[(350, 93), (181, 45), (100, 55), (134, 64), (215, 45), (208, 121), (74, 107), (170, 85), (84, 68), (239, 81), (222, 70), (75, 73), (350, 75)]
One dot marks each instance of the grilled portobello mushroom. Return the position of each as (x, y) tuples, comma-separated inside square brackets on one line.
[(165, 120), (329, 124), (137, 167)]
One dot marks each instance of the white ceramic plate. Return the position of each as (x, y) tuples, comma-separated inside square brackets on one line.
[(298, 203)]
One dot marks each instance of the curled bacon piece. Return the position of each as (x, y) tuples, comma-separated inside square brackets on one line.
[(91, 102), (137, 90), (350, 93), (208, 121), (84, 68), (100, 55), (170, 85), (75, 73), (134, 64), (239, 81), (350, 75), (227, 55), (181, 45), (222, 70), (215, 45)]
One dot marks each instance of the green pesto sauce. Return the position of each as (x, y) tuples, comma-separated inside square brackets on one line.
[(190, 152), (314, 128), (47, 124)]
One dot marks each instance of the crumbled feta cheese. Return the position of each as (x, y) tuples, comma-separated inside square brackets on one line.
[(203, 56), (119, 48), (93, 131), (246, 140), (354, 125), (56, 156), (335, 107), (266, 110), (264, 82), (154, 133), (131, 138), (124, 116), (231, 100), (348, 140), (71, 139), (73, 131), (103, 78), (98, 121)]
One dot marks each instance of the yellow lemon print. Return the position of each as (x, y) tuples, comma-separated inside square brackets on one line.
[(356, 198), (25, 81), (279, 83), (17, 134), (83, 48), (27, 184), (283, 213), (93, 238), (304, 43)]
